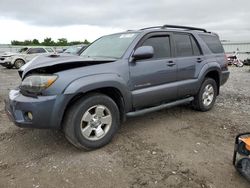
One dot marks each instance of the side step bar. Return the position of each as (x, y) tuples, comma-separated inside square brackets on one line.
[(160, 107)]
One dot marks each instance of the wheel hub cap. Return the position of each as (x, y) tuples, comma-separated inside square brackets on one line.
[(96, 122), (208, 95)]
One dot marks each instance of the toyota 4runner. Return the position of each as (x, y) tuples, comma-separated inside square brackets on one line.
[(118, 76)]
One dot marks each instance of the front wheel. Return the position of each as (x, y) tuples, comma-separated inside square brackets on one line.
[(19, 63), (206, 97), (92, 121)]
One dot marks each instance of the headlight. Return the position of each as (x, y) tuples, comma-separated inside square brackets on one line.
[(8, 58), (37, 83)]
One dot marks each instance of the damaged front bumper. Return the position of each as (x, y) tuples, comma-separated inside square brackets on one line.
[(31, 112)]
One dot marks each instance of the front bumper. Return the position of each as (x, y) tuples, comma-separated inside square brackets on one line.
[(224, 77), (43, 110), (5, 63)]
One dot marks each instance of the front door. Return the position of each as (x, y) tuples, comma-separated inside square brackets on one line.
[(153, 79)]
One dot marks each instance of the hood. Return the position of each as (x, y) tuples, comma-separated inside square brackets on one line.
[(8, 54), (54, 62)]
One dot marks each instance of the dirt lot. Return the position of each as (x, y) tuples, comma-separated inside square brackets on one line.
[(178, 147)]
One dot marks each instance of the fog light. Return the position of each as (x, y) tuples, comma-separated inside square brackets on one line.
[(30, 116)]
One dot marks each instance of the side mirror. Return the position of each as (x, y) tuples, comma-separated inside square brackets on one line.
[(143, 52)]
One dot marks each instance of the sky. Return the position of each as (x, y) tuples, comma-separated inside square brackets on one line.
[(90, 19)]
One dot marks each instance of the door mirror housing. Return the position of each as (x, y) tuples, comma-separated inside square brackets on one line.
[(143, 52)]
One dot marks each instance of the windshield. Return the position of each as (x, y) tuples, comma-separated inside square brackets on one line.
[(22, 50), (111, 46)]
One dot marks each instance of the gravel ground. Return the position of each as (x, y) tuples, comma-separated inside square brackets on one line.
[(177, 147)]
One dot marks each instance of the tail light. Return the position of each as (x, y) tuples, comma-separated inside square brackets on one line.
[(226, 62)]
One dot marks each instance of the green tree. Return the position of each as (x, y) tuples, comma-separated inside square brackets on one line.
[(35, 42), (48, 42), (62, 42), (86, 42), (15, 42), (27, 42)]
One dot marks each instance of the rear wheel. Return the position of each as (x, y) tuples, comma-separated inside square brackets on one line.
[(92, 121), (206, 97), (19, 63)]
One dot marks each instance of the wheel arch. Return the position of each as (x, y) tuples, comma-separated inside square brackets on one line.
[(211, 70), (214, 74), (112, 92), (18, 58)]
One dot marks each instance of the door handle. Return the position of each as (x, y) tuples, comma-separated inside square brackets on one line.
[(199, 60), (170, 63)]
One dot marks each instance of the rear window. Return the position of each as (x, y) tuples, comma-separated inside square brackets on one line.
[(213, 43), (183, 45)]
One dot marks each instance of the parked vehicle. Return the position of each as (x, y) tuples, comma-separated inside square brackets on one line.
[(118, 76), (10, 60), (234, 60), (75, 49), (247, 62)]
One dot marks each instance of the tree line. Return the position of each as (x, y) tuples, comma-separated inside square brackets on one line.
[(48, 42)]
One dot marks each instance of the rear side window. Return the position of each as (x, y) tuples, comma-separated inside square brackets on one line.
[(40, 50), (196, 49), (161, 45), (183, 45), (213, 43)]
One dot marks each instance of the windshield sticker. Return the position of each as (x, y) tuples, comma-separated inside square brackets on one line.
[(126, 36)]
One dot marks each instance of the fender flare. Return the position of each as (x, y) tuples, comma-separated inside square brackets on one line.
[(93, 82), (209, 67)]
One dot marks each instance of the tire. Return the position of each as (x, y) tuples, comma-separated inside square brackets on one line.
[(204, 101), (9, 66), (19, 63), (87, 125)]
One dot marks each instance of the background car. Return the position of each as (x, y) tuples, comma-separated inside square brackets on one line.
[(76, 49), (247, 62), (17, 60)]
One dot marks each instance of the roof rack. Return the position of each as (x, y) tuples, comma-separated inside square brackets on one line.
[(176, 27)]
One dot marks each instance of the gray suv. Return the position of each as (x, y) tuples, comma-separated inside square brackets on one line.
[(118, 76)]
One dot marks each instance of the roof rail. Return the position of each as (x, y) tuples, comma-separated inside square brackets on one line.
[(176, 27), (155, 27), (184, 27)]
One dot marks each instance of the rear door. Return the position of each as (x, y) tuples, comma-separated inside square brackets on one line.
[(152, 79), (188, 58)]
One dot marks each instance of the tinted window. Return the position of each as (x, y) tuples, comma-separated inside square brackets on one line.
[(161, 45), (213, 43), (41, 50), (49, 49), (36, 50), (183, 45), (196, 49)]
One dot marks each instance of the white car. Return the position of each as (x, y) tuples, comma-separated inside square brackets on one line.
[(17, 60)]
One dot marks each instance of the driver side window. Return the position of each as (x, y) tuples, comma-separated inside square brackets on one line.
[(161, 45)]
